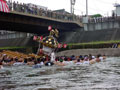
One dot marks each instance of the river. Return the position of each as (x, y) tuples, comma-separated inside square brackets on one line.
[(99, 76)]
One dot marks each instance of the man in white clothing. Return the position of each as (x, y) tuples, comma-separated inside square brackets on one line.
[(52, 57)]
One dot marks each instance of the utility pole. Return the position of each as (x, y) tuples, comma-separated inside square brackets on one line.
[(86, 8), (72, 3), (85, 19), (72, 8)]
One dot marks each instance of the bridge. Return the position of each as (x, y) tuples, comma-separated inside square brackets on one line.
[(24, 22)]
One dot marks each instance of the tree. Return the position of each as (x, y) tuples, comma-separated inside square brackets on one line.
[(96, 15)]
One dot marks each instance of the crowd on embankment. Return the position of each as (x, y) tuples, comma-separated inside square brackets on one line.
[(12, 58)]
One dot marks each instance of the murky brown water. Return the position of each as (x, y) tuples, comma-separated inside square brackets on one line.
[(99, 76)]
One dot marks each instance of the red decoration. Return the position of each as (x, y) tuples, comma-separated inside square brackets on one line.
[(41, 51), (49, 28), (35, 38), (64, 45), (41, 38), (59, 45)]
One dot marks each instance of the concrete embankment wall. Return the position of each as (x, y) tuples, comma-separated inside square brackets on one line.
[(90, 36), (18, 42), (77, 52), (101, 25)]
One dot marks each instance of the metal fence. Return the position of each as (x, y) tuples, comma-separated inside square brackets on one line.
[(15, 35)]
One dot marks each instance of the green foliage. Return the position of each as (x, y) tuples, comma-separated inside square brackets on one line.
[(19, 49), (96, 15), (3, 48), (97, 44)]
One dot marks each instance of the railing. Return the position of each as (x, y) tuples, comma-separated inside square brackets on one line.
[(103, 19), (25, 8), (14, 35)]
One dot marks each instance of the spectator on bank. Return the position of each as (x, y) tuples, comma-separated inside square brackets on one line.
[(9, 3)]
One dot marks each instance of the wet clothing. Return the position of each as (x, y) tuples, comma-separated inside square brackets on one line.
[(37, 66), (49, 64), (86, 62), (18, 64), (101, 58), (79, 63)]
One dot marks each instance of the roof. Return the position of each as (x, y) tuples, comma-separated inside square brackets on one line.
[(61, 11), (117, 5)]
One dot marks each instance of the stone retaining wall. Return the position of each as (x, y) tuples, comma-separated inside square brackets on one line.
[(77, 52)]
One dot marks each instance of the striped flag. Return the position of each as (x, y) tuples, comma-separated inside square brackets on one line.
[(3, 6)]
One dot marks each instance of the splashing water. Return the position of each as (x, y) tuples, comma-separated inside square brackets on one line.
[(99, 76)]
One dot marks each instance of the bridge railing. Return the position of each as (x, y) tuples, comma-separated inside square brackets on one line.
[(103, 19), (25, 8)]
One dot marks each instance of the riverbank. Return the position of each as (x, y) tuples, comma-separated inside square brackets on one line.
[(107, 51)]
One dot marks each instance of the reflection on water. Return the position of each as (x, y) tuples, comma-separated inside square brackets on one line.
[(99, 76)]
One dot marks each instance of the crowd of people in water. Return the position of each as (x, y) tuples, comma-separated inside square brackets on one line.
[(12, 58)]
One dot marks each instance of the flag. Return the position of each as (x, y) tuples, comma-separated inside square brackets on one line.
[(3, 6)]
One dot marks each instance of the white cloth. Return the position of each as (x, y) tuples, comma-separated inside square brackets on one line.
[(101, 58), (52, 57), (1, 67), (47, 50), (18, 63), (68, 62), (79, 63), (93, 57), (41, 63), (86, 62)]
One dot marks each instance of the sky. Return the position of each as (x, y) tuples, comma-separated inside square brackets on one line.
[(103, 7)]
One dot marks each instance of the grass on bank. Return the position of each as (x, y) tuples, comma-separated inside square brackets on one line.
[(1, 48), (96, 42), (91, 45), (19, 49)]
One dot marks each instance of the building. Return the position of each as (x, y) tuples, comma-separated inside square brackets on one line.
[(62, 11), (117, 10), (38, 6)]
